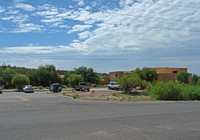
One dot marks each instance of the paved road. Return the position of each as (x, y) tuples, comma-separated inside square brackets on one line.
[(42, 116)]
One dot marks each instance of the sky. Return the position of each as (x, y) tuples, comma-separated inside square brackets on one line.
[(106, 35)]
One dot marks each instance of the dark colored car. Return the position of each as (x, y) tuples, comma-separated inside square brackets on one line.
[(55, 87), (0, 89), (28, 88)]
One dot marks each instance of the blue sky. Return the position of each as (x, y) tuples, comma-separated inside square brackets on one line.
[(107, 35)]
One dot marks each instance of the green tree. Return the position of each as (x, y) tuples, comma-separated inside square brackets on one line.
[(67, 74), (88, 75), (129, 81), (33, 76), (20, 81), (6, 75), (47, 75), (195, 79), (182, 77), (147, 74), (74, 79)]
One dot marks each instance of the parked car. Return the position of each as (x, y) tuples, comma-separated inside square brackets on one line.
[(0, 89), (55, 87), (82, 86), (114, 85), (28, 88)]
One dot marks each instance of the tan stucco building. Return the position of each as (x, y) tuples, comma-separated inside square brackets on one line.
[(169, 74), (164, 74)]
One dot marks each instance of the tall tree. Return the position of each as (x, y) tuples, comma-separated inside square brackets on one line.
[(147, 74), (195, 79), (47, 75), (20, 81), (33, 76), (89, 75), (6, 75), (182, 77)]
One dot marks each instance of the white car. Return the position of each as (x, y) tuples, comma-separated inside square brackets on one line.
[(114, 85), (28, 88)]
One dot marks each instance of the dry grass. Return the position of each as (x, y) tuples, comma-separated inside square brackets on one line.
[(109, 95)]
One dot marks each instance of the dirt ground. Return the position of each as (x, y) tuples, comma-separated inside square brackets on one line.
[(107, 95)]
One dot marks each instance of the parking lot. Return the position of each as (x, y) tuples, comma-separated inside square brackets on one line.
[(50, 116)]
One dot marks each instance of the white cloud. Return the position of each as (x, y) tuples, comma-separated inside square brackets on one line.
[(2, 9), (28, 27), (80, 2), (126, 29), (25, 7), (84, 35), (37, 49), (78, 28)]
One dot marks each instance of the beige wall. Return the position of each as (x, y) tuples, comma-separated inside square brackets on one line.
[(169, 70), (116, 74)]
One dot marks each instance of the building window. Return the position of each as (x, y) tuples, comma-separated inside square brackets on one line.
[(175, 72), (116, 75), (110, 75)]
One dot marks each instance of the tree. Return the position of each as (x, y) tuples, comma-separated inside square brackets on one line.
[(20, 81), (6, 75), (33, 76), (88, 75), (195, 79), (182, 77), (147, 74), (74, 79), (47, 75), (129, 81)]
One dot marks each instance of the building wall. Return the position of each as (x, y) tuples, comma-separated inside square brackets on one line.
[(169, 70), (116, 74), (169, 74)]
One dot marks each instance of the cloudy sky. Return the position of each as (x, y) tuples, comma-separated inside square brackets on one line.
[(107, 35)]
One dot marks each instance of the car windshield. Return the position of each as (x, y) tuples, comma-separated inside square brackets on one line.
[(29, 86)]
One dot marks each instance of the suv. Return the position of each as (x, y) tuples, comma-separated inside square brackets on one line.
[(114, 85), (55, 87), (0, 89)]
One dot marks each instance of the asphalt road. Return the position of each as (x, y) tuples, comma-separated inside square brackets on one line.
[(42, 116)]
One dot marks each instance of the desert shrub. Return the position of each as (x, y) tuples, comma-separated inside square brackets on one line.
[(191, 92), (167, 91), (129, 81), (40, 87), (64, 86)]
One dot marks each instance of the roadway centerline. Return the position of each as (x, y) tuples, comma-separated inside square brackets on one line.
[(22, 98)]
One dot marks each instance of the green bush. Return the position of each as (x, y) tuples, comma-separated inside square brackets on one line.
[(40, 87), (167, 91), (191, 92), (20, 81)]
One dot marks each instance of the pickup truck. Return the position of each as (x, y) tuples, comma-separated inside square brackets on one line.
[(82, 86)]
